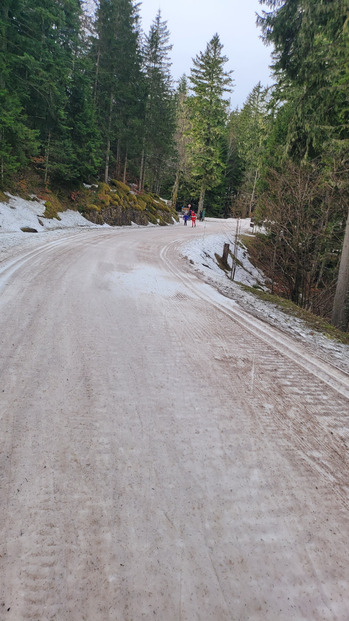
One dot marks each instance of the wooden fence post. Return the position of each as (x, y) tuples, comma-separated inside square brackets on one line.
[(225, 254)]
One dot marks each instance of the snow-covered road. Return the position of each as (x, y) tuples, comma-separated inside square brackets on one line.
[(164, 455)]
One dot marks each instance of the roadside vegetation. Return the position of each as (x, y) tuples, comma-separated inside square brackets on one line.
[(313, 322)]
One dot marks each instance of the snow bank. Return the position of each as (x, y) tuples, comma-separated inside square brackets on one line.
[(201, 253), (19, 213)]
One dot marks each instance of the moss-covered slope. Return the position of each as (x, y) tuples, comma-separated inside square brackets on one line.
[(117, 205)]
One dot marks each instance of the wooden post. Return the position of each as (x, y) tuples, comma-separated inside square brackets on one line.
[(225, 254)]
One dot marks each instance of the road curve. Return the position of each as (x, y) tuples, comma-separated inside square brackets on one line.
[(163, 454)]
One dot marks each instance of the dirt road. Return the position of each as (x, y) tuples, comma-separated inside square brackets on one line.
[(163, 455)]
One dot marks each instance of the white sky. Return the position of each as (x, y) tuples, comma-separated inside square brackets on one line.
[(192, 24)]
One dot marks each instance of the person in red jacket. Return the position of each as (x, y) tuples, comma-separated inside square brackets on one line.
[(193, 218)]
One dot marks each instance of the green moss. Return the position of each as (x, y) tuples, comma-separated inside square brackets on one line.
[(103, 188), (132, 199), (225, 266), (152, 219), (51, 209), (3, 198), (101, 203), (121, 186), (105, 200), (221, 264), (164, 207), (115, 201)]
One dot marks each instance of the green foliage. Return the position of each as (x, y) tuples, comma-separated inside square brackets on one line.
[(121, 186), (51, 209), (208, 117), (17, 141), (118, 82), (303, 209), (311, 66), (248, 134), (38, 44), (117, 205), (311, 320), (159, 121), (311, 112)]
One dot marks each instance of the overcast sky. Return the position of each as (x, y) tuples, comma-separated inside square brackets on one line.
[(192, 24)]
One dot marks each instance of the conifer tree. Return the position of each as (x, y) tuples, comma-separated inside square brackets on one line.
[(311, 62), (249, 130), (208, 116), (41, 41), (311, 66), (118, 80), (159, 123), (84, 156), (17, 141), (181, 136)]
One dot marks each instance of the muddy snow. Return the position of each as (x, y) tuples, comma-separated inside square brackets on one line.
[(168, 452)]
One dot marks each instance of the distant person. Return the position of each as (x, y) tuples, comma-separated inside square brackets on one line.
[(193, 218), (202, 215), (185, 218)]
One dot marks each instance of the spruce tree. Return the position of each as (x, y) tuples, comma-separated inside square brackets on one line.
[(249, 129), (310, 41), (118, 80), (208, 116), (181, 137), (311, 62), (159, 123), (17, 141), (41, 40)]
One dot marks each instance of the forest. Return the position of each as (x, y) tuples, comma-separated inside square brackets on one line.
[(87, 97)]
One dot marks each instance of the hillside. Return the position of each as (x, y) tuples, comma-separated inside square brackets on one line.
[(116, 205)]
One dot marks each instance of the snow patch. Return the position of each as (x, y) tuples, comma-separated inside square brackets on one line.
[(19, 213), (201, 251)]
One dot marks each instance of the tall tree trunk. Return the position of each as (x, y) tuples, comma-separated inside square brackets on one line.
[(2, 167), (95, 86), (125, 169), (340, 312), (202, 198), (175, 189), (3, 38), (107, 160), (253, 193), (47, 157), (273, 264), (118, 160), (157, 182), (141, 171), (107, 154)]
